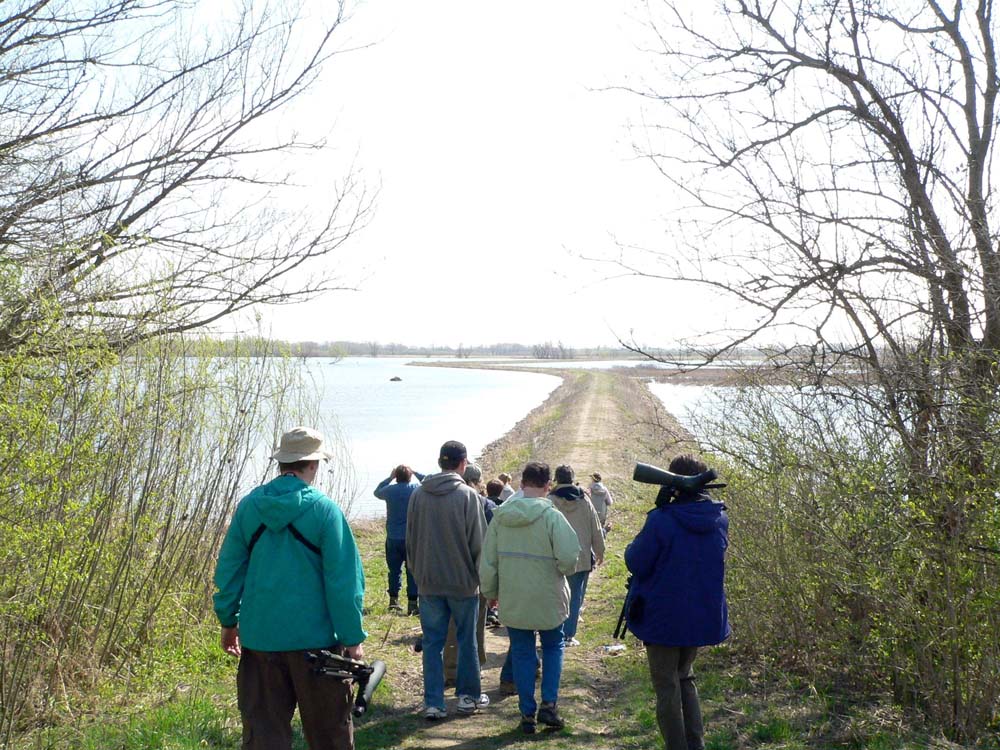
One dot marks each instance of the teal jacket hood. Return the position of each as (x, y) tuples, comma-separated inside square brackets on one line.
[(283, 500)]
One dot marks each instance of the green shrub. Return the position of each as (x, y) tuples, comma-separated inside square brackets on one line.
[(118, 477)]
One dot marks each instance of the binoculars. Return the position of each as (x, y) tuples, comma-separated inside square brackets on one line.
[(672, 485)]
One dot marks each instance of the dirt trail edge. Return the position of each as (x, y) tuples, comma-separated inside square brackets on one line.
[(595, 421)]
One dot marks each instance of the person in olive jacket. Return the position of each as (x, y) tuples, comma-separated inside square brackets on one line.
[(289, 580), (677, 601), (529, 550)]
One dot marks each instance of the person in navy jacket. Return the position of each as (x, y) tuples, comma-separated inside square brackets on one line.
[(397, 500), (677, 602)]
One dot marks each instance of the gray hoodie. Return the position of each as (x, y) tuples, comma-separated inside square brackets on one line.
[(445, 526)]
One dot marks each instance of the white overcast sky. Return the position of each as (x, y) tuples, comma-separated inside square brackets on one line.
[(499, 163)]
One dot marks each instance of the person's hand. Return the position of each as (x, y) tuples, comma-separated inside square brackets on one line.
[(492, 603), (231, 640), (355, 652)]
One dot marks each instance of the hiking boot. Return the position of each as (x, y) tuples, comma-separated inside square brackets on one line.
[(528, 724), (412, 608), (508, 688), (394, 604), (549, 716)]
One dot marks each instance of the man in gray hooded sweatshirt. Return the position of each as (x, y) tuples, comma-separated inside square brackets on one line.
[(445, 526)]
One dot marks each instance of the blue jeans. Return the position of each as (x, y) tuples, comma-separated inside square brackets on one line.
[(507, 670), (434, 614), (395, 558), (577, 590), (522, 649)]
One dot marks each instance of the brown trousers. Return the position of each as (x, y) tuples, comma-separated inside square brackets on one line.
[(269, 684), (451, 644), (678, 712)]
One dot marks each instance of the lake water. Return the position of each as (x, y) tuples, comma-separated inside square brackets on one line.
[(689, 404), (387, 423)]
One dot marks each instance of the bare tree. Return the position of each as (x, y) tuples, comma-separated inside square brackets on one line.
[(837, 163), (136, 194), (837, 181)]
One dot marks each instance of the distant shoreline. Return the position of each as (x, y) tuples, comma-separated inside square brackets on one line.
[(719, 376)]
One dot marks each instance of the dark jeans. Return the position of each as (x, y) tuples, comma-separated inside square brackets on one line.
[(678, 712), (451, 643), (269, 684), (395, 558)]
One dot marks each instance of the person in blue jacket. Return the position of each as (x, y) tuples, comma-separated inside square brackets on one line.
[(676, 600), (397, 501), (289, 580)]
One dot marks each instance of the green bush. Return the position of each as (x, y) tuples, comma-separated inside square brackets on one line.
[(118, 478), (844, 565)]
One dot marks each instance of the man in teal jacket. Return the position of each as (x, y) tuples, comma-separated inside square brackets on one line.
[(289, 579)]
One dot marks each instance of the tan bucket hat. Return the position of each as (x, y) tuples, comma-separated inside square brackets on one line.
[(300, 444)]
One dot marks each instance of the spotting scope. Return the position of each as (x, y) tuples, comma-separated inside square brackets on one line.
[(672, 485)]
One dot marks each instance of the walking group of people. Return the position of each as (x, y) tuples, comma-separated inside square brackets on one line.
[(289, 580), (530, 551)]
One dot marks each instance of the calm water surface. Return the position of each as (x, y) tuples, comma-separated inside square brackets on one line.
[(690, 404), (386, 423)]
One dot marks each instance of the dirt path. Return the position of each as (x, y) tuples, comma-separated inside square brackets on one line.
[(595, 421)]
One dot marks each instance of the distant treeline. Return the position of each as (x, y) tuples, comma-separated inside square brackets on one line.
[(546, 350)]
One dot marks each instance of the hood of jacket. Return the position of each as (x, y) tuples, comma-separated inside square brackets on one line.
[(699, 517), (443, 483), (282, 500), (567, 492), (521, 511)]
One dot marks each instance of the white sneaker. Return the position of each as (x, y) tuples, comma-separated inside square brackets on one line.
[(469, 705), (433, 713), (571, 642)]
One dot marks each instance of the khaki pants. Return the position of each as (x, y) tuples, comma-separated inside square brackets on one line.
[(269, 684), (451, 644), (678, 712)]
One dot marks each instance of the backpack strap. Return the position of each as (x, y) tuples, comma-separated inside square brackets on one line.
[(294, 531), (254, 538), (306, 542)]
